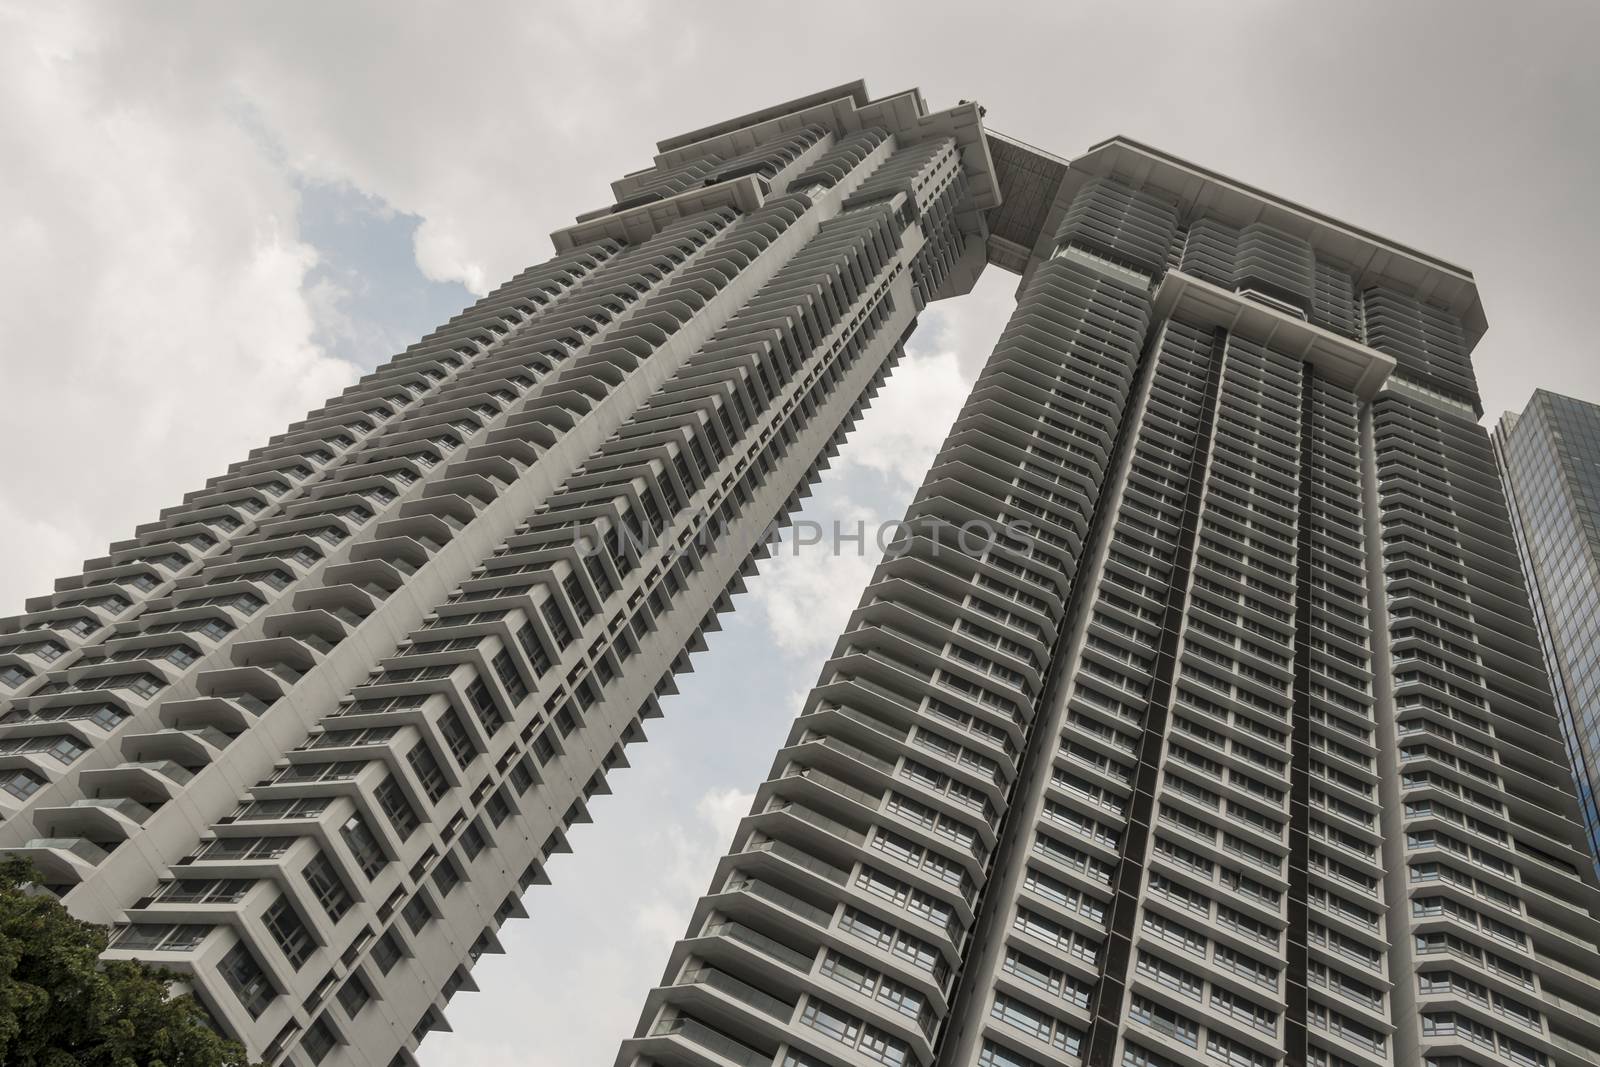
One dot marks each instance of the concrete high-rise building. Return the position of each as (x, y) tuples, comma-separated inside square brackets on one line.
[(1234, 746), (309, 736), (1550, 464), (1197, 717)]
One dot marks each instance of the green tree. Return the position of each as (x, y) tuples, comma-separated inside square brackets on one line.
[(60, 1006)]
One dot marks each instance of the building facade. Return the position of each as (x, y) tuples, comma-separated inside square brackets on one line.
[(1233, 746), (309, 736), (1549, 459), (1226, 739)]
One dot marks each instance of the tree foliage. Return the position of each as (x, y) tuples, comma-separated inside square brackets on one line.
[(60, 1006)]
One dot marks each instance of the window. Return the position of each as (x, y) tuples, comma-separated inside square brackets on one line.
[(354, 995), (428, 771), (506, 671), (244, 976), (318, 1042), (417, 913), (534, 649), (1235, 1054), (49, 651), (363, 846), (216, 629), (159, 937), (1170, 975), (497, 807), (340, 771), (245, 848), (1134, 1056), (283, 808), (457, 738), (424, 1024), (1039, 1025), (386, 952), (544, 748), (994, 1055), (21, 784), (62, 749), (472, 841), (482, 700), (557, 623), (206, 891), (394, 805), (831, 1021), (597, 570), (14, 676), (580, 601), (286, 928), (446, 877), (521, 777), (327, 887)]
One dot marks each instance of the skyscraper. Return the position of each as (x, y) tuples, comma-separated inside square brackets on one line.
[(309, 735), (1550, 463), (1234, 747), (1226, 741)]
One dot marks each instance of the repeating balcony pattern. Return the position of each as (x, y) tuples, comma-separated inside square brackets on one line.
[(371, 528), (1498, 930), (254, 533), (428, 651), (1195, 714), (1428, 342), (1260, 259), (1225, 745), (866, 857)]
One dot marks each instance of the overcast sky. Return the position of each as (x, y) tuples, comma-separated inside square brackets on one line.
[(212, 217)]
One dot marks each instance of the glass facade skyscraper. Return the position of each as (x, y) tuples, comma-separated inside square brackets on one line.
[(1550, 461), (1196, 717)]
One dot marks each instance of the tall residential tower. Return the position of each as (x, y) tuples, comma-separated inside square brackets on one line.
[(1550, 463), (309, 736), (1228, 742), (1235, 748)]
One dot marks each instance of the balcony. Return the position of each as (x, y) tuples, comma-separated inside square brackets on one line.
[(725, 1048), (735, 931), (788, 852), (785, 900), (739, 990), (837, 785), (62, 860), (102, 818)]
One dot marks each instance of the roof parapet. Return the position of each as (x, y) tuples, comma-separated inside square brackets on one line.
[(636, 224), (1025, 225), (855, 91), (843, 110)]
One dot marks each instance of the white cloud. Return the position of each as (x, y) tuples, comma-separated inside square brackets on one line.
[(908, 421), (152, 323), (484, 126), (721, 809), (968, 326), (812, 581)]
